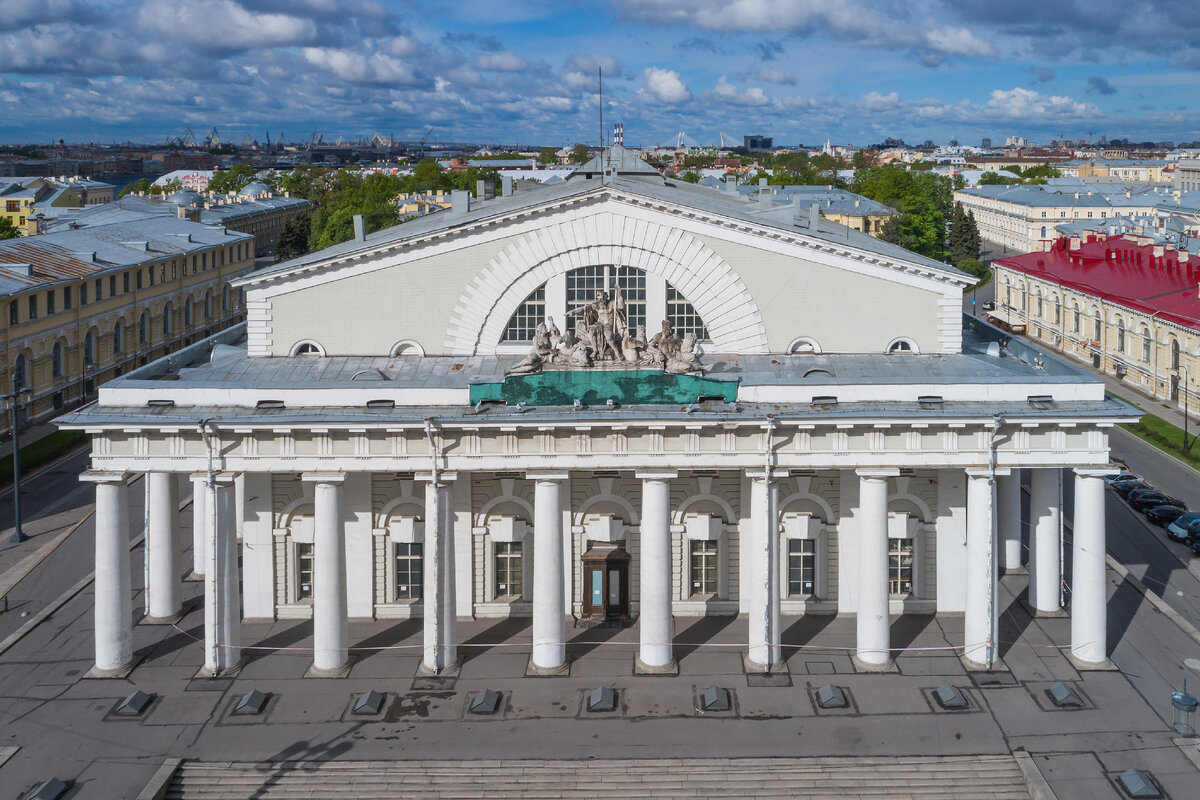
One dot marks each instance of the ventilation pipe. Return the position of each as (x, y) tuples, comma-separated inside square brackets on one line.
[(360, 229)]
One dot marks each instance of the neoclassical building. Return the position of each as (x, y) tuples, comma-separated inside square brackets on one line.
[(480, 413)]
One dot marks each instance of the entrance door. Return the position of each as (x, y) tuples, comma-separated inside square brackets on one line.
[(605, 584)]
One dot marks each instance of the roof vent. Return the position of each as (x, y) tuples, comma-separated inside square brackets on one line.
[(485, 702), (1063, 696), (825, 400), (160, 403), (602, 700), (381, 404), (49, 790), (369, 703), (134, 705), (251, 703), (1041, 401), (267, 405), (950, 698), (714, 698), (830, 696), (360, 229), (1138, 783), (17, 269), (930, 401)]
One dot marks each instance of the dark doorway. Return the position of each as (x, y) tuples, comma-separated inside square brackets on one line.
[(605, 582)]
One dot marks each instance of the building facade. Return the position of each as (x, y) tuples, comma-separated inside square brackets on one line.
[(87, 305), (402, 429), (1125, 304)]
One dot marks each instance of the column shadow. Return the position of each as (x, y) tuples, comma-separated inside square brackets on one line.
[(303, 629), (392, 635), (178, 640), (489, 637), (905, 629), (804, 631), (1120, 615), (700, 633), (1012, 624), (589, 639)]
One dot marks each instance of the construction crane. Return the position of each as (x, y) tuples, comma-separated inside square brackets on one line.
[(421, 144), (188, 139), (213, 139)]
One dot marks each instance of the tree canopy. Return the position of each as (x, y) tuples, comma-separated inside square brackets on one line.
[(924, 200), (234, 179), (7, 229)]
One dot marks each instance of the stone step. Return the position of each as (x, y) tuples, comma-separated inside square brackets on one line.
[(932, 778)]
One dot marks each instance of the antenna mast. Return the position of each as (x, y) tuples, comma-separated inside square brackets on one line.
[(600, 75)]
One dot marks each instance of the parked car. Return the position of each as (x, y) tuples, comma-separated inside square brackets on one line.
[(1124, 488), (1185, 528), (1164, 515), (1196, 546), (1120, 477), (1113, 461), (1143, 500)]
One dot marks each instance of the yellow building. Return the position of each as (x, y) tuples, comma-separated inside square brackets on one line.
[(86, 305), (21, 199)]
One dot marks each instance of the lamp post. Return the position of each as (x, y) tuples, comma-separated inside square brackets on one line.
[(1183, 369), (14, 400)]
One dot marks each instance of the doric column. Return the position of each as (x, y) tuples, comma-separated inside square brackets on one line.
[(164, 595), (438, 601), (873, 648), (1008, 519), (114, 611), (200, 534), (656, 628), (549, 622), (764, 651), (1045, 532), (330, 654), (979, 615), (1089, 612), (222, 601)]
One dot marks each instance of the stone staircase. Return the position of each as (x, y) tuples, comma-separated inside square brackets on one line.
[(897, 778)]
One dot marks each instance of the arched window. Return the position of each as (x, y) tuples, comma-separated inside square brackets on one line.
[(307, 347), (56, 360), (144, 328), (1146, 344), (804, 344), (166, 320), (1174, 354), (683, 316), (1043, 231), (1097, 325), (89, 349), (406, 347), (1075, 318), (1120, 335), (901, 345), (208, 300), (1038, 312), (187, 313), (118, 338), (21, 371), (525, 321)]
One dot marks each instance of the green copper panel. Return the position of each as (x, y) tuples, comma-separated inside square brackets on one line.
[(627, 387)]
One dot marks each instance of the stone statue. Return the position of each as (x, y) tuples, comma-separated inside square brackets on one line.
[(633, 349), (541, 353), (573, 350), (686, 361), (665, 343), (605, 324)]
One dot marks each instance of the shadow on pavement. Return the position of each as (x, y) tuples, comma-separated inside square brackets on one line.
[(386, 638), (498, 633), (303, 629), (905, 629), (1012, 624), (700, 633), (589, 639)]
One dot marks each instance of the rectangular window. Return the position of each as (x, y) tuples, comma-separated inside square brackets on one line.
[(33, 306), (66, 298), (125, 282), (162, 273), (509, 580), (801, 566), (14, 313), (304, 571), (409, 571), (83, 297), (703, 564), (900, 566), (139, 280), (100, 289), (174, 270), (12, 206), (51, 302)]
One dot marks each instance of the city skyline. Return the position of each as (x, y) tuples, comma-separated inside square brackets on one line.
[(800, 71)]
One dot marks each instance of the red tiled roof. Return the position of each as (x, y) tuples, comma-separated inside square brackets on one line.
[(1120, 270)]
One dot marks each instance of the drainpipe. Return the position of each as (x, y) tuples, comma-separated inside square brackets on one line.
[(997, 421), (210, 572), (772, 537), (436, 524)]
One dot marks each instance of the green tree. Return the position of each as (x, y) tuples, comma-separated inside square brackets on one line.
[(140, 185), (231, 180), (548, 155), (974, 240), (995, 179), (580, 154), (976, 268), (1013, 168), (924, 200), (865, 159), (690, 177), (959, 238), (1041, 171), (293, 238), (7, 229)]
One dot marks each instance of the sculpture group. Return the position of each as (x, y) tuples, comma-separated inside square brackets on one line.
[(600, 335)]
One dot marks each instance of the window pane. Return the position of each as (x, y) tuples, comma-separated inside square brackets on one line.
[(801, 567), (900, 566), (682, 315), (304, 571), (409, 571), (525, 321), (583, 283)]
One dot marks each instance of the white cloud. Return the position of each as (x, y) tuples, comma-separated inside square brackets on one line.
[(222, 25), (503, 61), (726, 92), (1027, 104), (666, 86), (958, 42), (777, 75), (357, 67)]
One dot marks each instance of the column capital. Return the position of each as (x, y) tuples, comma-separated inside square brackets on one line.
[(656, 474), (335, 478), (443, 476), (547, 474), (760, 474), (104, 476), (985, 472), (880, 473), (1096, 472)]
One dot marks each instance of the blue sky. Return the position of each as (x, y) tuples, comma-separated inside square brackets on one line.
[(524, 71)]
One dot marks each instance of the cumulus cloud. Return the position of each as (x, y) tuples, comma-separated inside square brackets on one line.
[(1098, 85), (666, 86), (726, 92), (777, 75), (358, 67), (223, 25), (501, 62)]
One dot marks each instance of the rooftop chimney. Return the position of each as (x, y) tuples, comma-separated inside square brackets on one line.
[(814, 216), (506, 184), (360, 229), (460, 201)]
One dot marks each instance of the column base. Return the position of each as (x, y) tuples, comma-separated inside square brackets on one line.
[(229, 672), (870, 666), (171, 620), (1021, 570), (1037, 613), (532, 670), (971, 665), (118, 672), (670, 669), (750, 666), (337, 672), (448, 671), (1091, 666)]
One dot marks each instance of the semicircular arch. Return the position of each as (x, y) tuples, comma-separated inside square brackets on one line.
[(729, 312)]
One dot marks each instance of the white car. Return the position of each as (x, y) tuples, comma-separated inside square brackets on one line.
[(1186, 527), (1121, 476)]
